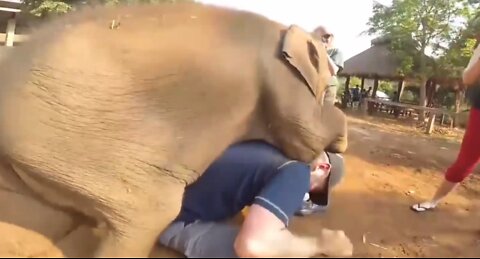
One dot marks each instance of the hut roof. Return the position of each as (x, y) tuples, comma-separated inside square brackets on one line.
[(377, 61)]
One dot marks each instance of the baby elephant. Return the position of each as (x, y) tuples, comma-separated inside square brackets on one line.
[(114, 121)]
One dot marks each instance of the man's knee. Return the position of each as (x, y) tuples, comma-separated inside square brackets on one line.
[(170, 235)]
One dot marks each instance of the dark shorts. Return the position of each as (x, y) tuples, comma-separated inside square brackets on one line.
[(201, 239)]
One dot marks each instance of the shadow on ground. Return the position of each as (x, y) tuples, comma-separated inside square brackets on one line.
[(384, 219), (391, 229)]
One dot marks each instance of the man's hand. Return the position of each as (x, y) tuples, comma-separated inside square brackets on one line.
[(335, 244)]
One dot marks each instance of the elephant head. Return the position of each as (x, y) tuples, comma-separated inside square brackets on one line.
[(298, 120), (309, 57)]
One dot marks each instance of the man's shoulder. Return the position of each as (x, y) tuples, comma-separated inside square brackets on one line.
[(335, 51), (249, 158), (337, 56)]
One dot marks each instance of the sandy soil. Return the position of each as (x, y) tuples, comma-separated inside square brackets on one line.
[(390, 166)]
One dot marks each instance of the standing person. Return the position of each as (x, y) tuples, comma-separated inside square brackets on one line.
[(335, 61), (469, 155), (258, 175), (369, 92), (363, 95), (355, 96)]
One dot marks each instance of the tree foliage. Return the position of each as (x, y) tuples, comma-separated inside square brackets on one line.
[(417, 26), (461, 49), (428, 37), (388, 88)]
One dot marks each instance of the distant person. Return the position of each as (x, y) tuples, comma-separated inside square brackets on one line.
[(346, 97), (469, 155), (363, 95), (335, 63), (355, 96)]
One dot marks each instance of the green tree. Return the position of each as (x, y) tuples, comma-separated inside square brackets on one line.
[(409, 97), (415, 26), (354, 81), (456, 56), (387, 88)]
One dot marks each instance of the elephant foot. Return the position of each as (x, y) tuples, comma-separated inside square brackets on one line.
[(138, 232)]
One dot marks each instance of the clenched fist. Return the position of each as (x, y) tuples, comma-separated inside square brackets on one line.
[(334, 243)]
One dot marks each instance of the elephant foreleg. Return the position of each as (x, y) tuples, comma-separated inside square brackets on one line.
[(136, 235)]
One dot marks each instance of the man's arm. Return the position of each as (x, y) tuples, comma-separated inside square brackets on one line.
[(335, 62), (264, 233), (332, 67)]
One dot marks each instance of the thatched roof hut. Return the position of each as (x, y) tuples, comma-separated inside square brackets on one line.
[(379, 63), (375, 62)]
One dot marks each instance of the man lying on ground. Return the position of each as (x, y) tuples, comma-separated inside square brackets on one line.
[(258, 175)]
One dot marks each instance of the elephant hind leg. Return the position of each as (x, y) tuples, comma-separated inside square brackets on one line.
[(137, 235)]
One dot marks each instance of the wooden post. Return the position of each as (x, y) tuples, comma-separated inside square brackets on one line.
[(431, 90), (431, 122), (363, 83), (347, 90), (375, 88), (400, 88), (371, 105), (347, 83), (10, 32)]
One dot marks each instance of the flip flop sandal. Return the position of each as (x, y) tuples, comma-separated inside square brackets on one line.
[(419, 208)]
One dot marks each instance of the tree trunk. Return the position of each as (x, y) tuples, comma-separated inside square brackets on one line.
[(459, 95), (345, 100), (400, 88), (422, 99), (423, 84)]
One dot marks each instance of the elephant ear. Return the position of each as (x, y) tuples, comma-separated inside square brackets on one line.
[(309, 57)]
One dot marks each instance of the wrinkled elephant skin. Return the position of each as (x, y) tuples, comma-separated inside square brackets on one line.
[(114, 122)]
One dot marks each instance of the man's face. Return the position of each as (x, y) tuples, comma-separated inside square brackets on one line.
[(320, 170), (324, 35)]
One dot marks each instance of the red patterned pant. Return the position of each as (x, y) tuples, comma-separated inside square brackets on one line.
[(469, 155)]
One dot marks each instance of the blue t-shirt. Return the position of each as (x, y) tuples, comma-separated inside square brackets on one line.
[(247, 173), (355, 93)]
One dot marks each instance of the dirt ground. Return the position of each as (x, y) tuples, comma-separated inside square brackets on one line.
[(390, 165)]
